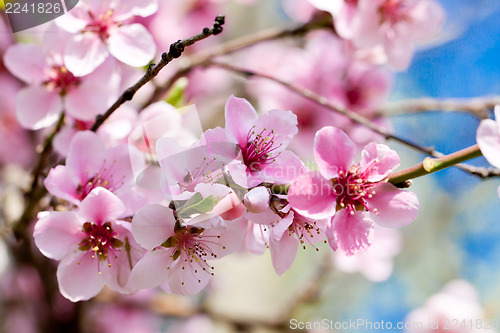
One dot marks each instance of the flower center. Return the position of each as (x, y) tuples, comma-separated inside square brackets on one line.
[(101, 239), (192, 247), (394, 11), (100, 24), (103, 178), (61, 79), (259, 148), (351, 189), (305, 229)]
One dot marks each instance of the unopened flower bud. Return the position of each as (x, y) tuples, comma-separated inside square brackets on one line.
[(257, 199)]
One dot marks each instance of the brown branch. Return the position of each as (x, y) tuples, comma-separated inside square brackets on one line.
[(321, 100), (199, 59), (174, 52), (479, 106)]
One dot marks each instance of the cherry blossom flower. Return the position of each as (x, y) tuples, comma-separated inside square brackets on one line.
[(94, 247), (394, 25), (179, 254), (457, 302), (53, 88), (90, 165), (101, 28), (354, 196), (262, 142)]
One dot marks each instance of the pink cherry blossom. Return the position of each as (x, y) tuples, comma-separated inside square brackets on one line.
[(90, 165), (101, 28), (354, 196), (262, 142), (179, 254), (94, 247), (457, 301), (53, 88), (394, 25)]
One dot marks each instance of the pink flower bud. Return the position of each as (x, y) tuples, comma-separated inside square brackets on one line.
[(257, 199)]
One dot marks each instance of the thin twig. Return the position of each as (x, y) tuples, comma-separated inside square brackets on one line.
[(321, 100), (175, 51), (431, 165), (199, 59), (35, 193), (479, 106)]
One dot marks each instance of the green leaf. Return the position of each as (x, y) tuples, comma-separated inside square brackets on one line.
[(197, 205)]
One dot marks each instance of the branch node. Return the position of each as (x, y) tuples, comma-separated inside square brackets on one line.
[(128, 94), (217, 29), (164, 56), (176, 49), (221, 19), (206, 31)]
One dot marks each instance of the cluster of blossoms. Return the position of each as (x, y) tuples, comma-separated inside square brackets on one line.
[(218, 198)]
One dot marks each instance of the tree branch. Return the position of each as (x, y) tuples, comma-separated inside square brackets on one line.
[(312, 96), (431, 165), (175, 51), (479, 106), (199, 59)]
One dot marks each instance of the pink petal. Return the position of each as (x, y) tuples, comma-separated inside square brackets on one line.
[(151, 270), (281, 228), (333, 151), (351, 233), (86, 155), (313, 196), (283, 252), (240, 117), (27, 62), (285, 169), (78, 103), (78, 277), (257, 199), (84, 53), (187, 278), (488, 139), (128, 8), (132, 45), (396, 208), (123, 160), (256, 239), (283, 125), (427, 18), (57, 234), (101, 205), (61, 183), (153, 225), (378, 161), (37, 107), (399, 51)]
